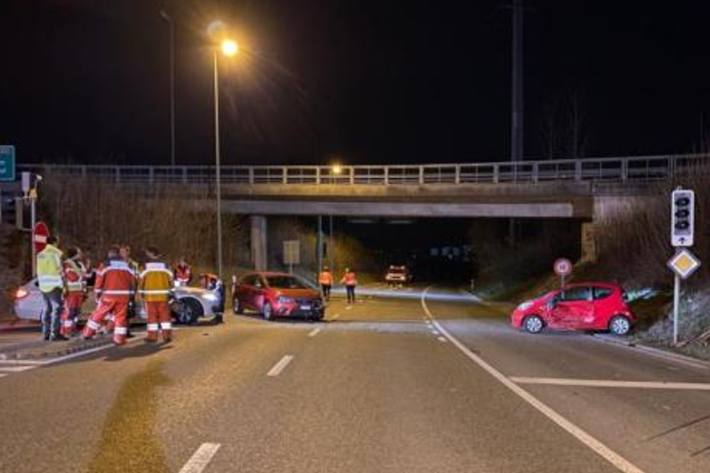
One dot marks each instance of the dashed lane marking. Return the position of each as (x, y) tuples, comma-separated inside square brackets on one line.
[(201, 458), (3, 374), (280, 366), (314, 332), (348, 307), (601, 449), (441, 339), (603, 383)]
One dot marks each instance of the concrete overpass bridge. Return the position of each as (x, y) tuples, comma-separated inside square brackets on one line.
[(583, 189)]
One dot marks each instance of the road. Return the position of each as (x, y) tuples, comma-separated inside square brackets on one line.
[(420, 383)]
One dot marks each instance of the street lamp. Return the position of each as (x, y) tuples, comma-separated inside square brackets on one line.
[(229, 48)]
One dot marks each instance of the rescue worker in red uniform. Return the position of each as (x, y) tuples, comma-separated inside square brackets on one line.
[(115, 285), (183, 273), (74, 276), (156, 283), (350, 281)]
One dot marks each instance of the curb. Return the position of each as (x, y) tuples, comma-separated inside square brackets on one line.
[(658, 352), (68, 350)]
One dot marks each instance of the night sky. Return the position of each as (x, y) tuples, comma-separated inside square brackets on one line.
[(368, 81)]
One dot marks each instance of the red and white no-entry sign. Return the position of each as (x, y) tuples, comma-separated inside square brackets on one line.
[(562, 267), (40, 232)]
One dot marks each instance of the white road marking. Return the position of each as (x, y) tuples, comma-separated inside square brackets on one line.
[(279, 367), (434, 332), (603, 383), (314, 332), (441, 339), (20, 362), (17, 369), (605, 452), (3, 374), (428, 322), (70, 356), (348, 307), (201, 458)]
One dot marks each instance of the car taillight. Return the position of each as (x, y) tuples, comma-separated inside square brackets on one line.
[(21, 294)]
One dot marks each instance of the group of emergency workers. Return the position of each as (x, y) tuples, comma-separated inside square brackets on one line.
[(63, 281), (349, 279)]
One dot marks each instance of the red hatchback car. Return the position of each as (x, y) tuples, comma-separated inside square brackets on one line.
[(579, 306), (277, 295)]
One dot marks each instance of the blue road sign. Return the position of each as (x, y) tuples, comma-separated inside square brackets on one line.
[(7, 163)]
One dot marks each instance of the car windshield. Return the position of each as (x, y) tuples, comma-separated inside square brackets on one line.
[(286, 282)]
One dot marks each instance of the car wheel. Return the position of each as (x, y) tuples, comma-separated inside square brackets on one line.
[(237, 306), (267, 311), (619, 325), (187, 311), (533, 324)]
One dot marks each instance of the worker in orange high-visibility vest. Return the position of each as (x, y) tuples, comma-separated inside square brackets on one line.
[(155, 285), (115, 285), (350, 281), (325, 279), (74, 277)]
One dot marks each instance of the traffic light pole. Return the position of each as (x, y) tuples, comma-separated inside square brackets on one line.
[(676, 301)]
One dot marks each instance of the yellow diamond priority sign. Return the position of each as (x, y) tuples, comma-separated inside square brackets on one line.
[(684, 263)]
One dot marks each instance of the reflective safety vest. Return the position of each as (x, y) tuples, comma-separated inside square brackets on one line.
[(74, 276), (349, 279), (49, 269), (183, 274), (115, 282), (325, 278), (156, 282)]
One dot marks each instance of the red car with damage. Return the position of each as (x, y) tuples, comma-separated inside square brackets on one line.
[(581, 306), (277, 295)]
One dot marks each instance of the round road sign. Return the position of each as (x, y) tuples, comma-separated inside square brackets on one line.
[(39, 236), (563, 267)]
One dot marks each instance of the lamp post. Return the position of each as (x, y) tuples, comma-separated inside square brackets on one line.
[(229, 48), (170, 21)]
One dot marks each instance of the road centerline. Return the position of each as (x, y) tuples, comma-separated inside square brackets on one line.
[(591, 442), (280, 366), (314, 332), (201, 458)]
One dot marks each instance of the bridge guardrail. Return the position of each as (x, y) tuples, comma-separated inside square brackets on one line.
[(637, 169)]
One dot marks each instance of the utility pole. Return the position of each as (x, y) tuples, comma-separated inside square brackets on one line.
[(517, 118), (517, 115), (171, 22)]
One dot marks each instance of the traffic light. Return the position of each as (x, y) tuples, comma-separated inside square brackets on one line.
[(682, 217)]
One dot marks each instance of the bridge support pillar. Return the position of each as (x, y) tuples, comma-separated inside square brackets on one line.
[(258, 242), (589, 243)]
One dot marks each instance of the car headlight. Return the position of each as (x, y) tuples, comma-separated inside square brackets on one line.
[(525, 305), (209, 297), (284, 300)]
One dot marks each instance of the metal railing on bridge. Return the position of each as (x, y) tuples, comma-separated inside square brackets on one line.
[(637, 169)]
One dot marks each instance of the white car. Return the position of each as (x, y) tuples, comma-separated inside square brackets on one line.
[(398, 275), (188, 305)]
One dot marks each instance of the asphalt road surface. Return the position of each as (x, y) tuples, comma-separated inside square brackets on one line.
[(419, 383)]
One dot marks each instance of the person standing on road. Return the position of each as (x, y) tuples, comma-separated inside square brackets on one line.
[(350, 281), (115, 285), (125, 252), (51, 284), (156, 283), (183, 273), (325, 279), (74, 276)]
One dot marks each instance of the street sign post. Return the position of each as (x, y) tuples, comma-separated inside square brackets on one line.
[(40, 232), (292, 253), (7, 163), (683, 263), (563, 268)]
